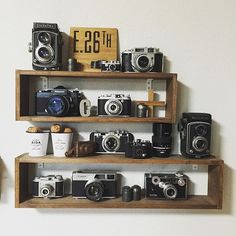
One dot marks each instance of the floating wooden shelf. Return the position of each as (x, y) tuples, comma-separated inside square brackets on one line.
[(213, 200), (25, 82)]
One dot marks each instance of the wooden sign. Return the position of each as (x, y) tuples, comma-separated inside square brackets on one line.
[(92, 44)]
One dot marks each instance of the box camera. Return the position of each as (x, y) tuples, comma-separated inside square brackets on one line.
[(111, 66), (111, 142), (114, 105), (51, 186), (195, 134), (46, 46), (58, 102), (139, 149), (161, 139), (94, 186), (166, 186), (142, 60)]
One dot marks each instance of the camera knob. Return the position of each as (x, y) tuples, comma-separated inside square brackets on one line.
[(30, 47)]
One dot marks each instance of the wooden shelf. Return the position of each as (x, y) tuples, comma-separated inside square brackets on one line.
[(25, 164), (193, 202), (25, 88)]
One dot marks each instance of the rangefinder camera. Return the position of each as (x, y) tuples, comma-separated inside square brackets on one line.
[(114, 105), (112, 142), (166, 186), (142, 60), (94, 185), (58, 102), (139, 149), (111, 66), (51, 186)]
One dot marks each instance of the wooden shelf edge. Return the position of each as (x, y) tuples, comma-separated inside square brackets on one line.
[(193, 202), (117, 159), (120, 75)]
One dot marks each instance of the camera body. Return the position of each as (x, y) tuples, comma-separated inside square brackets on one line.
[(162, 139), (166, 186), (142, 60), (110, 66), (114, 105), (58, 102), (46, 46), (112, 142), (195, 134), (139, 149), (51, 186), (94, 185)]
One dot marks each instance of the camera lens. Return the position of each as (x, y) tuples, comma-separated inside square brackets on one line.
[(112, 67), (94, 191), (170, 191), (46, 190), (44, 37), (57, 106), (113, 107), (111, 143), (200, 144), (201, 130), (143, 61), (44, 54)]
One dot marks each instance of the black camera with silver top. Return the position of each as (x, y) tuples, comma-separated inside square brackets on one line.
[(195, 134), (46, 47), (111, 66), (51, 186), (94, 185), (166, 186), (111, 142), (58, 102), (114, 105), (139, 149), (142, 60)]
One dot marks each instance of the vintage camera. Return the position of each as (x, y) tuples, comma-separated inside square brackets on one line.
[(51, 186), (162, 139), (142, 60), (46, 47), (195, 134), (58, 102), (111, 66), (111, 142), (139, 149), (166, 186), (94, 185), (114, 105)]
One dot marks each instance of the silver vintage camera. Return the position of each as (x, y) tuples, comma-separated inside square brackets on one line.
[(111, 66), (94, 185), (142, 60), (166, 185), (114, 105), (51, 186)]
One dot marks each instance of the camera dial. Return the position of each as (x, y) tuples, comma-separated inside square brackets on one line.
[(200, 144), (94, 190), (156, 180)]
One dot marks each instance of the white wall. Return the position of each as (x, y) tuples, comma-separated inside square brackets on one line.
[(198, 38)]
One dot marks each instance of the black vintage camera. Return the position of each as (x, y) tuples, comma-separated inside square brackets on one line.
[(166, 186), (111, 66), (139, 149), (114, 105), (162, 139), (142, 60), (111, 142), (51, 186), (46, 47), (195, 134), (94, 185), (58, 102)]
